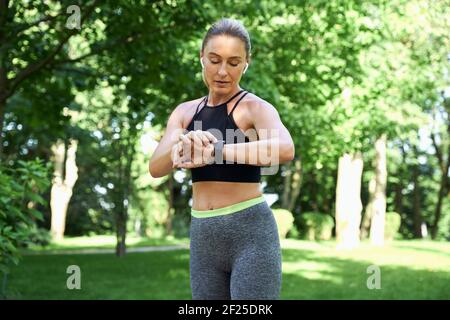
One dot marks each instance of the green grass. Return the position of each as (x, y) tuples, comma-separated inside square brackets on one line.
[(409, 270), (101, 242)]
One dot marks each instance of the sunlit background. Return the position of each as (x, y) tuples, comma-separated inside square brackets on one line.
[(86, 88)]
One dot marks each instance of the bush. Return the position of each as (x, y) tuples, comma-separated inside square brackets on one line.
[(393, 221), (180, 226), (20, 187), (293, 233), (38, 236), (317, 226), (285, 221)]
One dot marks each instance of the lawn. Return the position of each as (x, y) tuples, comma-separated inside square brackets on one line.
[(311, 270), (102, 242)]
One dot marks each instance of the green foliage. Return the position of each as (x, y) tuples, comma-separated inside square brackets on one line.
[(339, 73), (180, 226), (392, 225), (317, 226), (444, 226), (38, 236), (20, 189), (285, 221), (293, 233)]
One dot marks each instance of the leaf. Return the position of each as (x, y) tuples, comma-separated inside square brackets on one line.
[(37, 214)]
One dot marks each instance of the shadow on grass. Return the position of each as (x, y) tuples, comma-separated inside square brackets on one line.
[(423, 249), (309, 276), (153, 275), (143, 242)]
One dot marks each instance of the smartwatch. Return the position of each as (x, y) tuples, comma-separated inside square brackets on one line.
[(218, 151)]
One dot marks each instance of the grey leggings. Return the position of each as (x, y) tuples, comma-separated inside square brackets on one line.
[(236, 256)]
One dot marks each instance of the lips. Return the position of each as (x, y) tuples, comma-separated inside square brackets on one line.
[(221, 83)]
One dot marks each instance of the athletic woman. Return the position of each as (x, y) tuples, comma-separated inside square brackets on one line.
[(225, 138)]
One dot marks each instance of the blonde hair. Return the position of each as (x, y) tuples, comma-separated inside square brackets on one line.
[(229, 27)]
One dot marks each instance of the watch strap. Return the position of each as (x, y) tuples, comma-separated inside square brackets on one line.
[(218, 151)]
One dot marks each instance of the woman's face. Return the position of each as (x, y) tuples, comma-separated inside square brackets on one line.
[(224, 58)]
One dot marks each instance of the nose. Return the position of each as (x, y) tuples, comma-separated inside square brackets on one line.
[(222, 70)]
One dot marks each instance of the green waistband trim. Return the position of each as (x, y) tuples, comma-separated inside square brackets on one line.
[(227, 210)]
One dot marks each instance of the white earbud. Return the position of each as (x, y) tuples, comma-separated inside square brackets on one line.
[(245, 69)]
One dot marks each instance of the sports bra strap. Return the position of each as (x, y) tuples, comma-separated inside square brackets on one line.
[(228, 101), (205, 98), (237, 102)]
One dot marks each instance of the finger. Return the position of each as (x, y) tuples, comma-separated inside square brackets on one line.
[(208, 154), (210, 136), (198, 139), (199, 133), (205, 140), (180, 137), (190, 135), (187, 147), (185, 165), (190, 165), (180, 148), (185, 138), (201, 138), (174, 156), (186, 144)]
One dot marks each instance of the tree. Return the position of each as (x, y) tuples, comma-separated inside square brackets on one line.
[(66, 174)]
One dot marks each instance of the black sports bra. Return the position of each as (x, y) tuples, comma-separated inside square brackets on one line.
[(217, 117)]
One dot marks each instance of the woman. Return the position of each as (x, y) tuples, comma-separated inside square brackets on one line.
[(234, 246)]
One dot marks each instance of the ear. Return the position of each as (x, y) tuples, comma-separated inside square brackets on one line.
[(246, 67), (247, 63), (201, 59)]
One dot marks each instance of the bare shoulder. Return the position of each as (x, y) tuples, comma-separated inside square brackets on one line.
[(255, 105), (186, 110), (187, 105)]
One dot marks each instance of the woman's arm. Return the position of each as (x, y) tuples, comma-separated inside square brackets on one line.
[(275, 145), (161, 161)]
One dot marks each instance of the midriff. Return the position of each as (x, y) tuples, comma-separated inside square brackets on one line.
[(209, 195)]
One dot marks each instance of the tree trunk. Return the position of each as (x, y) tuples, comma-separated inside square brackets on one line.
[(170, 208), (365, 226), (65, 176), (3, 71), (379, 204), (292, 184), (297, 180), (417, 215), (398, 198), (438, 209), (444, 165), (313, 192), (125, 190), (121, 233), (348, 200), (2, 114), (286, 185)]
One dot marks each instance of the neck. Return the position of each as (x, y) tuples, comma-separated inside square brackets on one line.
[(215, 98)]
